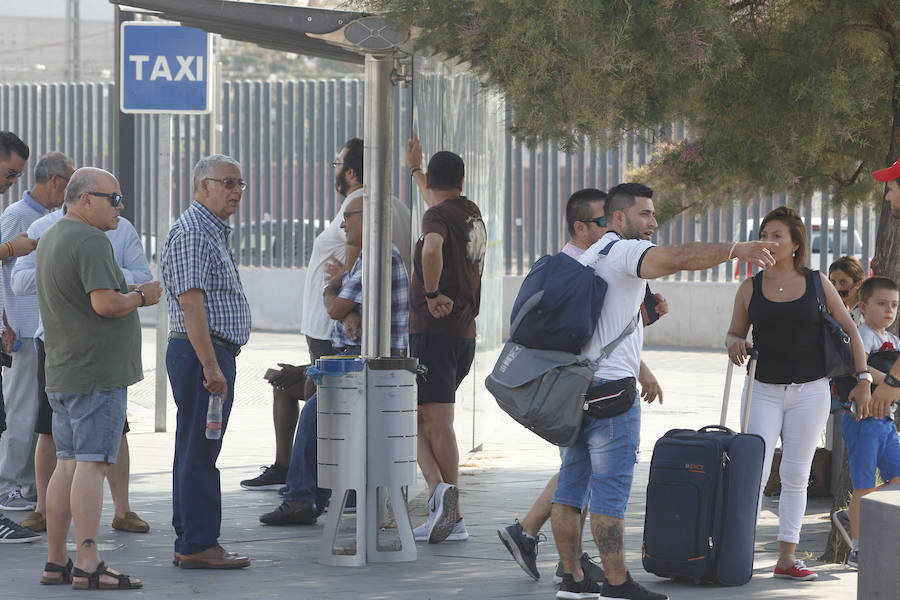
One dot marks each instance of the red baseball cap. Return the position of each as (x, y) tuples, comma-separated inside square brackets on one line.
[(889, 174)]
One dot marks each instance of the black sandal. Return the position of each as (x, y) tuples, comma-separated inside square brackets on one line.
[(65, 573), (93, 580)]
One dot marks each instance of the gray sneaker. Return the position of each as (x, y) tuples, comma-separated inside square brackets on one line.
[(841, 520), (522, 548), (594, 571), (14, 501), (13, 533)]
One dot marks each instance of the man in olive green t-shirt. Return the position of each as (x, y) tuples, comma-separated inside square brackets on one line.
[(92, 337)]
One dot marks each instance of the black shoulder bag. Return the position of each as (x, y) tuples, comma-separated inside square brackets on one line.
[(835, 341)]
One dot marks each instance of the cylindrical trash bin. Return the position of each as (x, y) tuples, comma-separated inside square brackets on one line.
[(392, 436), (341, 432)]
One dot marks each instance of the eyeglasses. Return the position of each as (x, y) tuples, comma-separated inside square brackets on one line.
[(599, 221), (114, 199), (64, 178), (230, 182), (13, 174), (336, 163), (349, 213)]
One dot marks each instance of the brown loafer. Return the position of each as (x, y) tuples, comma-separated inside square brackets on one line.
[(211, 558), (131, 523), (35, 522)]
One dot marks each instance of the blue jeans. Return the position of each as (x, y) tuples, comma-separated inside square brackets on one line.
[(196, 488), (602, 458), (303, 473)]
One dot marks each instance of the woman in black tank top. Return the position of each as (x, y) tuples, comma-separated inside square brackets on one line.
[(791, 398)]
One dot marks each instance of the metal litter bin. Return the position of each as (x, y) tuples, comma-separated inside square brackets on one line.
[(392, 437)]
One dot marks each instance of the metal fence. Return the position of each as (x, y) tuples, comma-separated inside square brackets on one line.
[(285, 134), (539, 180)]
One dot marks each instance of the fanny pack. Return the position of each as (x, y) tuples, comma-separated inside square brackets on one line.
[(610, 399)]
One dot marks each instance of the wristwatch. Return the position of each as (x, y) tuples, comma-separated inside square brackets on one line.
[(431, 295), (891, 380), (864, 376)]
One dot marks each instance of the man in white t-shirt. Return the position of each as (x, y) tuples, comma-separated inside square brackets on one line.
[(605, 452), (329, 246)]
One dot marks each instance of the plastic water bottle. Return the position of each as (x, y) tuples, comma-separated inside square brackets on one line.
[(214, 417)]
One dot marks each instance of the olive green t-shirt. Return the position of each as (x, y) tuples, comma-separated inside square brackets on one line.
[(85, 352)]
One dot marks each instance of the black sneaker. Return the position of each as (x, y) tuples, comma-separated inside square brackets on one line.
[(522, 548), (272, 478), (291, 513), (631, 590), (586, 589), (13, 533), (588, 565)]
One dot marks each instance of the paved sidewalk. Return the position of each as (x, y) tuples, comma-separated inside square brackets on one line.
[(497, 484)]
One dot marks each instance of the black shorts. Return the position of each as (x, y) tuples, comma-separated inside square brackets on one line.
[(319, 348), (448, 360), (44, 422)]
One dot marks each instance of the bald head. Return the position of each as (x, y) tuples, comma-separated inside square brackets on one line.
[(86, 179)]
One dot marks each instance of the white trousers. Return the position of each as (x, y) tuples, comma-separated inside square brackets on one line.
[(797, 412), (20, 396)]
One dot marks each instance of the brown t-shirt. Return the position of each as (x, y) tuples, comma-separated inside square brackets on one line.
[(458, 221)]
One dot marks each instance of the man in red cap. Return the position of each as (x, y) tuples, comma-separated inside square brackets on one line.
[(891, 177)]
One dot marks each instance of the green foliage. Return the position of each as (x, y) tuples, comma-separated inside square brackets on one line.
[(780, 95)]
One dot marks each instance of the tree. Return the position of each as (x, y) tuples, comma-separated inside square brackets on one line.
[(780, 96)]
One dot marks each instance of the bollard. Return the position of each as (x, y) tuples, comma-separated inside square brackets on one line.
[(341, 432), (392, 424)]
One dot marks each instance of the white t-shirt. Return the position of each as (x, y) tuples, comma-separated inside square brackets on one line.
[(624, 296), (873, 341)]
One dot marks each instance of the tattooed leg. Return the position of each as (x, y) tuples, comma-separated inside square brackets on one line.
[(609, 534)]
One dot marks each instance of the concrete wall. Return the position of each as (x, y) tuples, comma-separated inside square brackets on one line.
[(699, 312)]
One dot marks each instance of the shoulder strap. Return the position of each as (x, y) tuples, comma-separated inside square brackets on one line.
[(629, 329), (820, 291)]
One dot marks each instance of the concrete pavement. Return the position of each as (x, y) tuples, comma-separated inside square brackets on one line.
[(498, 484)]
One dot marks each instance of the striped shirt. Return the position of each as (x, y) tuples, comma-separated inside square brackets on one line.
[(22, 312), (351, 289), (197, 255)]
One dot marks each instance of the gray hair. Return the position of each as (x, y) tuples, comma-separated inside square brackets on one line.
[(50, 164), (82, 181), (206, 167)]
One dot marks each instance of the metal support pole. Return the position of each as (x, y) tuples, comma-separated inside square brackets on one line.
[(377, 169), (163, 222), (124, 157)]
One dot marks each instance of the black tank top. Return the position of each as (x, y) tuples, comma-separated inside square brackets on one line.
[(788, 335)]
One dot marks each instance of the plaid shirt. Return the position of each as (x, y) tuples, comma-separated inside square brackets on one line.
[(197, 255), (351, 289)]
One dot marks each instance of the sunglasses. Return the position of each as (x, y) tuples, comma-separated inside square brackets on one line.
[(13, 174), (114, 199), (230, 182), (350, 213), (599, 221)]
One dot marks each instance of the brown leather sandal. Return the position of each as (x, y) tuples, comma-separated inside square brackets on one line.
[(65, 573), (93, 580)]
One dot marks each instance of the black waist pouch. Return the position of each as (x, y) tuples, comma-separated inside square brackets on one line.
[(610, 399)]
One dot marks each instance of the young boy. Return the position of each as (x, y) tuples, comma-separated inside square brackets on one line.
[(871, 442)]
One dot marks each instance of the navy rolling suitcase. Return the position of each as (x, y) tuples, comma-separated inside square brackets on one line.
[(700, 521)]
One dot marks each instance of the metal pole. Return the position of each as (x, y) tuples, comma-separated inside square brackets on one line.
[(377, 159), (123, 149), (163, 222)]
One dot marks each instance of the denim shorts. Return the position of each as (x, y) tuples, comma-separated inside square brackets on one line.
[(871, 443), (601, 461), (88, 428)]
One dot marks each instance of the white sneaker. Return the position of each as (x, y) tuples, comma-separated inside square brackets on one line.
[(14, 501), (444, 520), (421, 533), (459, 533)]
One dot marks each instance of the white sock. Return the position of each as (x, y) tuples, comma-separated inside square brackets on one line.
[(854, 545), (527, 535)]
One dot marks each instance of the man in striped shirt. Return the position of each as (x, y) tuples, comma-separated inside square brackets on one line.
[(209, 321)]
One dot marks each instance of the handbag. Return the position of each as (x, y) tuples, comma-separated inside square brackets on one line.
[(835, 341)]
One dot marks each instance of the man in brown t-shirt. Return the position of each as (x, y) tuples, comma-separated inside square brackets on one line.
[(444, 297)]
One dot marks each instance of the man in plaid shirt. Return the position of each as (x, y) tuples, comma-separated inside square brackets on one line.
[(304, 501)]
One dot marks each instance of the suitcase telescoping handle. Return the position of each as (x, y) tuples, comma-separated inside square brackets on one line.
[(751, 374)]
